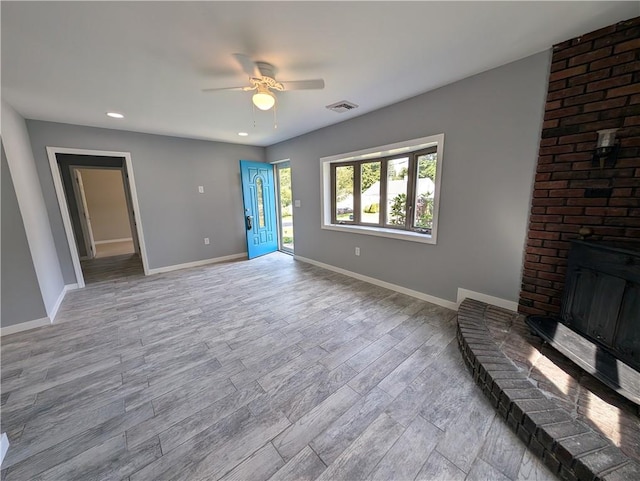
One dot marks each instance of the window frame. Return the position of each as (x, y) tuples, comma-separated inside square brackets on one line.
[(412, 149)]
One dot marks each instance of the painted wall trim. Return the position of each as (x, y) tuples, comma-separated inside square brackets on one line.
[(381, 151), (4, 446), (54, 311), (64, 209), (112, 241), (479, 296), (25, 326), (280, 161), (45, 321), (66, 217), (387, 285), (204, 262)]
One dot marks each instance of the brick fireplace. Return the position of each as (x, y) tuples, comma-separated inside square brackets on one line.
[(594, 84), (583, 424)]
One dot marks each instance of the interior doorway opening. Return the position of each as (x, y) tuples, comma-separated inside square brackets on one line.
[(285, 206), (98, 202), (105, 216)]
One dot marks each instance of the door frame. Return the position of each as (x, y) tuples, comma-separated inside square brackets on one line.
[(278, 209), (83, 208), (64, 208)]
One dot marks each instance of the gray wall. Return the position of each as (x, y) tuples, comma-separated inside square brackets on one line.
[(492, 124), (168, 170), (21, 297)]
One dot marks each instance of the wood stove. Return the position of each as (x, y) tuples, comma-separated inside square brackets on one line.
[(599, 327)]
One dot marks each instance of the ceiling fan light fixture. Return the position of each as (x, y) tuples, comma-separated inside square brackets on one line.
[(263, 99)]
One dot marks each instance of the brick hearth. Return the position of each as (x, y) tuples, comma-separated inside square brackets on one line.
[(576, 425)]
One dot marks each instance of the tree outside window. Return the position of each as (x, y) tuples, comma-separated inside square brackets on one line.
[(394, 192)]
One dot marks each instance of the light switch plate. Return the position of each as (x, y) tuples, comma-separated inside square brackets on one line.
[(296, 203), (201, 189)]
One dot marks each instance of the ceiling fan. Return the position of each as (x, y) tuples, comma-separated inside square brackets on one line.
[(262, 80)]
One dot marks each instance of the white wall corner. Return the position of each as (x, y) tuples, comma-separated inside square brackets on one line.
[(56, 306), (4, 446), (22, 167), (479, 296), (44, 321), (387, 285)]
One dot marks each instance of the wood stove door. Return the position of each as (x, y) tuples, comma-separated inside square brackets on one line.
[(593, 303), (627, 338), (580, 286)]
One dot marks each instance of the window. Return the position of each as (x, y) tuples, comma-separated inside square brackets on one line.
[(389, 191), (260, 197), (283, 171)]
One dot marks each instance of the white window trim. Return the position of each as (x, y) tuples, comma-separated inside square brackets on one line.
[(372, 153)]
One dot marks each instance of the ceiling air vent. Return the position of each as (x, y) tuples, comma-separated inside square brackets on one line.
[(342, 106)]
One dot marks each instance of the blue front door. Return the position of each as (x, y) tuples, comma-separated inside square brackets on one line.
[(259, 197)]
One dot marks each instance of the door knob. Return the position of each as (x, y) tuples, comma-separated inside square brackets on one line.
[(249, 222)]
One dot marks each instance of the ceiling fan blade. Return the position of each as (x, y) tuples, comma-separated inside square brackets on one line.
[(228, 88), (248, 65), (316, 84)]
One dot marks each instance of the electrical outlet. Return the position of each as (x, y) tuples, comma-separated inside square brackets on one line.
[(206, 241), (201, 189), (357, 251), (296, 203)]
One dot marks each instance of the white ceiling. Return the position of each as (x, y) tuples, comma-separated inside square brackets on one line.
[(73, 61)]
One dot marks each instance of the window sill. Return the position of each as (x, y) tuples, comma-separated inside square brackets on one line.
[(382, 232)]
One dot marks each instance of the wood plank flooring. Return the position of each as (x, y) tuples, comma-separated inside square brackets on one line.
[(268, 369), (111, 267)]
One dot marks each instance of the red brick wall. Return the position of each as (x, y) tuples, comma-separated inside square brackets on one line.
[(594, 84)]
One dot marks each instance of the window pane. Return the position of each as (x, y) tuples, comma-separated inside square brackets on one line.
[(260, 196), (370, 192), (286, 210), (344, 193), (397, 179), (425, 189)]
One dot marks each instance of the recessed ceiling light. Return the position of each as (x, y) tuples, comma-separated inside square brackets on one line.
[(115, 115), (242, 134)]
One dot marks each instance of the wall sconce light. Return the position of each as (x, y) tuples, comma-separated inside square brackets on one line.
[(607, 148)]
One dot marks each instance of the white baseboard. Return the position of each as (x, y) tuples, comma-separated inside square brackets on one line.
[(4, 446), (215, 260), (56, 306), (387, 285), (112, 241), (479, 296), (44, 321), (25, 326)]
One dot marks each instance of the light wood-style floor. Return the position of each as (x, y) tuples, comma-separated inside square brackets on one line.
[(111, 268), (114, 249), (251, 370)]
